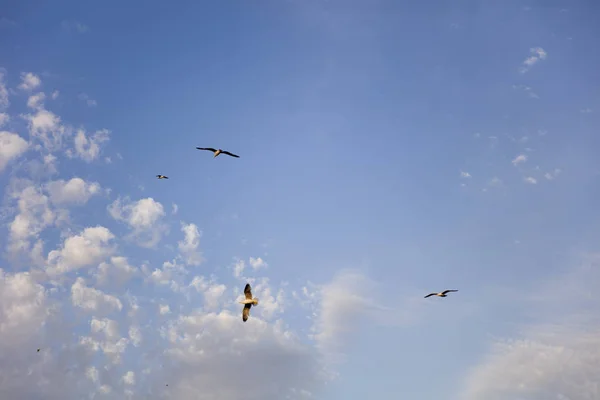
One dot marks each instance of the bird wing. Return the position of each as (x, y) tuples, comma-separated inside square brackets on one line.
[(207, 148), (166, 177), (430, 294), (230, 154), (246, 312), (248, 291), (449, 290)]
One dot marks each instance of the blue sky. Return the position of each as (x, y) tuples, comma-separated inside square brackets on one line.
[(387, 151)]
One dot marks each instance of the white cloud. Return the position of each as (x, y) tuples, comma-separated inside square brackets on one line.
[(88, 148), (117, 272), (87, 99), (464, 174), (4, 119), (536, 54), (4, 102), (557, 354), (143, 217), (188, 247), (55, 94), (29, 81), (553, 174), (129, 378), (174, 209), (93, 300), (22, 308), (36, 101), (238, 268), (11, 147), (90, 247), (74, 191), (344, 302), (521, 158), (257, 263), (164, 309), (205, 362), (531, 180), (34, 215), (211, 290), (46, 127)]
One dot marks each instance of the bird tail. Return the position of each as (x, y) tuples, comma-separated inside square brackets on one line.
[(255, 301)]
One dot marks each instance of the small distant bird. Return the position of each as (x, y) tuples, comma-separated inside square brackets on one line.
[(162, 177), (38, 350), (442, 294), (217, 152), (248, 302)]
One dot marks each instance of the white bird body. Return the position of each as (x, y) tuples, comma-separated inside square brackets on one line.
[(441, 294), (248, 302)]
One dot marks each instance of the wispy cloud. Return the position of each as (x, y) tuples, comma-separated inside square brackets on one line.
[(521, 158), (536, 54), (87, 99), (74, 26), (527, 90)]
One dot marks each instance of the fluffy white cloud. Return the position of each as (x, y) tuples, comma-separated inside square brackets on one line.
[(188, 247), (4, 102), (143, 217), (36, 101), (29, 81), (11, 147), (75, 191), (46, 127), (22, 307), (257, 263), (117, 271), (207, 349), (90, 247), (4, 119), (521, 158), (94, 300), (536, 54), (34, 215), (88, 148)]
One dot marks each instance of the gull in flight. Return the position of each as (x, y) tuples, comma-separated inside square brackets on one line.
[(442, 294), (217, 152), (248, 302), (162, 177)]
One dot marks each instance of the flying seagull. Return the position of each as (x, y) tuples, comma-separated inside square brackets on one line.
[(248, 302), (442, 294), (217, 152), (162, 177)]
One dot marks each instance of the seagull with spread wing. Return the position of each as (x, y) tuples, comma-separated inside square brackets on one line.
[(218, 151), (162, 177), (248, 302), (442, 294)]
